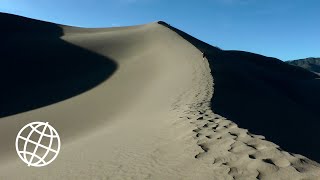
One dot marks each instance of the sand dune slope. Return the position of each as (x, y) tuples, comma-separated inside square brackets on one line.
[(268, 97), (125, 127), (140, 110)]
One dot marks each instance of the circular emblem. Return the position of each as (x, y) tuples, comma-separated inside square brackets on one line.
[(38, 144)]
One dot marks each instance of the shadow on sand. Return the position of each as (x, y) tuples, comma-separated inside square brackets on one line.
[(266, 96), (38, 68)]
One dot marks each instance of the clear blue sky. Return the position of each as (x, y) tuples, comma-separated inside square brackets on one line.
[(285, 29)]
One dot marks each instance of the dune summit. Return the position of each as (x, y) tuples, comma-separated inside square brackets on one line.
[(141, 102)]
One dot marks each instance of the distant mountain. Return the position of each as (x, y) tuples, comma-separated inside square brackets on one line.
[(311, 64)]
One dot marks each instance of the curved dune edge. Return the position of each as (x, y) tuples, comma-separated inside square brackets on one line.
[(151, 119), (38, 68), (126, 126), (240, 153)]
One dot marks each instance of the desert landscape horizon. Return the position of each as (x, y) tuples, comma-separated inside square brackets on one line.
[(153, 102)]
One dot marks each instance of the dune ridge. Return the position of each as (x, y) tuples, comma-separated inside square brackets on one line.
[(34, 57), (152, 117), (244, 155)]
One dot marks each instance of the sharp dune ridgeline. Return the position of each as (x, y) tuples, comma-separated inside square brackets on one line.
[(140, 102)]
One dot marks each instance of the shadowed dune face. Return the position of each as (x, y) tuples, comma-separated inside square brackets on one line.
[(269, 98), (266, 96), (38, 68)]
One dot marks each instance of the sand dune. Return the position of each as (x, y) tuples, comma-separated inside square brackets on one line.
[(139, 102)]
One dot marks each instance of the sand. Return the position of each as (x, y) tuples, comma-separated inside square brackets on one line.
[(130, 103)]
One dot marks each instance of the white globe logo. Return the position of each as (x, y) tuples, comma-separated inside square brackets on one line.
[(38, 144)]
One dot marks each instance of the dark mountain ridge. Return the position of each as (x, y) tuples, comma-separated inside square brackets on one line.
[(311, 64)]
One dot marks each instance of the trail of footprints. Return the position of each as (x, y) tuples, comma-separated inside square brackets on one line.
[(234, 150), (244, 155)]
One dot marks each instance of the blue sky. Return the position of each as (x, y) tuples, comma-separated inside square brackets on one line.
[(285, 29)]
